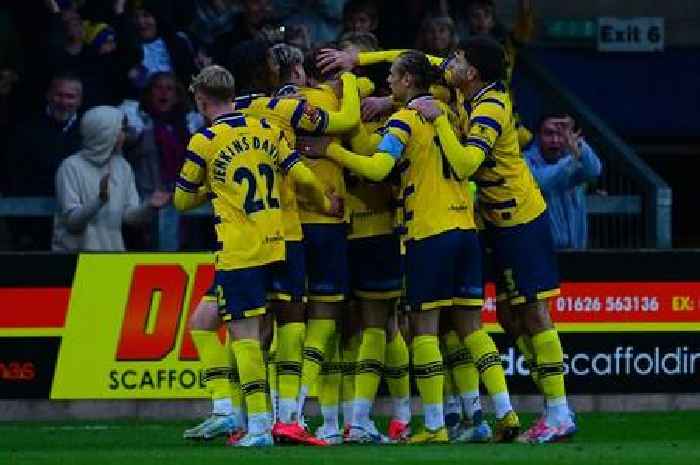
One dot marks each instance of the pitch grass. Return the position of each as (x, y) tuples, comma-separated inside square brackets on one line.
[(604, 438)]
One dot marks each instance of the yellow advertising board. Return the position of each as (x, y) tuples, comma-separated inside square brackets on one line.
[(124, 336)]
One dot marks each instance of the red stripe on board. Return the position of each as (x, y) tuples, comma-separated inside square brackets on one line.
[(38, 307)]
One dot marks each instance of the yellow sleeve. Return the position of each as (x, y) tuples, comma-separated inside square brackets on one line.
[(184, 201), (374, 168), (289, 163), (188, 187), (399, 125), (441, 93), (465, 160), (349, 115), (485, 125), (363, 141), (307, 180), (371, 58), (285, 158), (387, 56), (365, 87)]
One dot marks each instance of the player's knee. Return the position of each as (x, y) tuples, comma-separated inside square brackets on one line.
[(536, 317), (425, 323), (375, 313), (288, 312), (326, 310), (246, 328), (205, 317), (392, 326), (468, 322)]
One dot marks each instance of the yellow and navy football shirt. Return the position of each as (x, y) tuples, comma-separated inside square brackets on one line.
[(324, 98), (290, 115), (508, 194), (371, 205), (240, 159), (435, 199)]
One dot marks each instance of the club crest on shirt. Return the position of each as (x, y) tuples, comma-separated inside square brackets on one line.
[(312, 113)]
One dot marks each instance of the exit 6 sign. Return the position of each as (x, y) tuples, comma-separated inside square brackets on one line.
[(643, 34)]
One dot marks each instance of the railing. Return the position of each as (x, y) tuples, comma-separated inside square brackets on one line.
[(37, 207), (637, 211)]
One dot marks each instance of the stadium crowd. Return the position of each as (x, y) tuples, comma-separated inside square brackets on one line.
[(140, 55), (375, 210)]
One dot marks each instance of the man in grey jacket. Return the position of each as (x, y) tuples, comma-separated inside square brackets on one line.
[(562, 163), (95, 189)]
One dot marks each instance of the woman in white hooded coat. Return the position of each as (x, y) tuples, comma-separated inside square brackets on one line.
[(95, 188)]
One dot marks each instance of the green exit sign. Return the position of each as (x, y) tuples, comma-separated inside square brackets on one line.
[(571, 29)]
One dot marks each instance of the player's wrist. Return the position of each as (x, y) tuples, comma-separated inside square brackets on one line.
[(334, 151)]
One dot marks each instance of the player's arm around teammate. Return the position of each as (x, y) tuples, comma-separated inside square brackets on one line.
[(516, 226)]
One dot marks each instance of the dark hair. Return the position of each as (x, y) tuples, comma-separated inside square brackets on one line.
[(487, 56), (248, 63), (65, 76), (181, 102), (310, 59), (285, 57), (482, 4), (417, 64), (548, 114), (360, 6), (365, 41), (421, 40)]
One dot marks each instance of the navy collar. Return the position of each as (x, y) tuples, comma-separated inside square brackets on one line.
[(496, 85), (419, 96), (226, 116), (287, 89)]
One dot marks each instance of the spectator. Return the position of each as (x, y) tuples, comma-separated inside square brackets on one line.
[(164, 49), (255, 21), (562, 163), (97, 52), (95, 189), (8, 105), (479, 18), (160, 129), (35, 151), (320, 18), (360, 16), (252, 68), (212, 19), (10, 64), (437, 36), (40, 144), (298, 35), (400, 19)]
